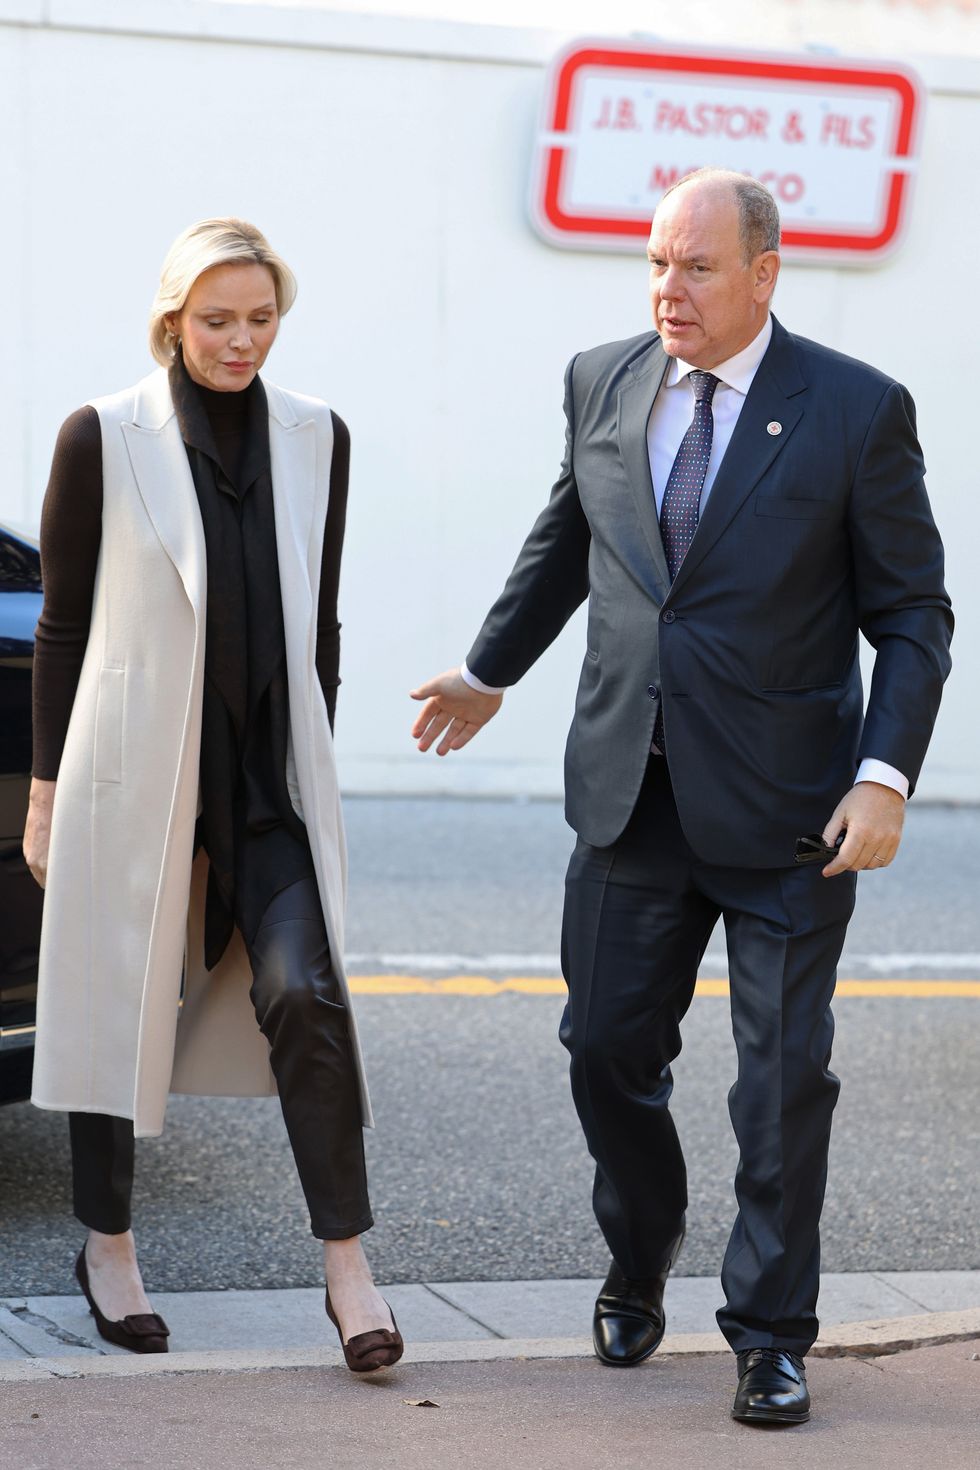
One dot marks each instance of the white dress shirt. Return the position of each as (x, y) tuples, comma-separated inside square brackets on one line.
[(670, 418), (673, 409)]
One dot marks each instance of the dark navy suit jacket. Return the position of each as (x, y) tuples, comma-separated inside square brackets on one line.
[(808, 538)]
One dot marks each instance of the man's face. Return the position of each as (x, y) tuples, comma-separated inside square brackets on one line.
[(708, 302)]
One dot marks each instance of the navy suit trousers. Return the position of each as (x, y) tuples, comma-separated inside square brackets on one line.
[(638, 917)]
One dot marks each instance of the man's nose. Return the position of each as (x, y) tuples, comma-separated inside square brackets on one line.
[(672, 284)]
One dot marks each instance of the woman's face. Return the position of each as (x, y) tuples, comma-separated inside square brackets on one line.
[(227, 325)]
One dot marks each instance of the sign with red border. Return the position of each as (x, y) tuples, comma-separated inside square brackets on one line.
[(835, 140)]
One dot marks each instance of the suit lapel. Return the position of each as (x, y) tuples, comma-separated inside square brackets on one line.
[(163, 477), (635, 403), (752, 448)]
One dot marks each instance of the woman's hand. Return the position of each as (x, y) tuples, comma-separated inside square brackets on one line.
[(37, 830)]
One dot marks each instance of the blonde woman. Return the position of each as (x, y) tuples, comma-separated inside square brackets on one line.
[(184, 815)]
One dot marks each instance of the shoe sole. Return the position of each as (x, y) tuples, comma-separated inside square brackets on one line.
[(772, 1418)]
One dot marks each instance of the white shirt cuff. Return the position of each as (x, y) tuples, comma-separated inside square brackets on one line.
[(885, 775), (476, 683)]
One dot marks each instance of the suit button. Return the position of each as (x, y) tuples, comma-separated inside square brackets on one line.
[(652, 690), (668, 616)]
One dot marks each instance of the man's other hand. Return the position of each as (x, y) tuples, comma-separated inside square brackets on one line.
[(453, 710), (871, 816)]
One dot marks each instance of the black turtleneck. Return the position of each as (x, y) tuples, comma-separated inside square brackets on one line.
[(227, 416)]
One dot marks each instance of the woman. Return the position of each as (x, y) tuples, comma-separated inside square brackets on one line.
[(184, 812)]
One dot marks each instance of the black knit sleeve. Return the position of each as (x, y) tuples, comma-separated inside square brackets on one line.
[(71, 535), (327, 624)]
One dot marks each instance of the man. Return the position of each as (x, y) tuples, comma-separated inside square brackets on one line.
[(737, 504)]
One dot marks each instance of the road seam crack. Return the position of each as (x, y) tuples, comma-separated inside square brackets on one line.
[(51, 1329), (901, 1291), (501, 1336)]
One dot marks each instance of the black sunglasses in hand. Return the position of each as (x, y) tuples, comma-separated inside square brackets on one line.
[(813, 849)]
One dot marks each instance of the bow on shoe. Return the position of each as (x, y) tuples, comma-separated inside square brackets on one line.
[(366, 1352), (146, 1324), (378, 1348)]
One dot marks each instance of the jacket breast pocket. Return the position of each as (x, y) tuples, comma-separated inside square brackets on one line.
[(109, 712), (784, 508)]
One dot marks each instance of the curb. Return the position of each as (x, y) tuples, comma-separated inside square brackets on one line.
[(897, 1334), (853, 1339)]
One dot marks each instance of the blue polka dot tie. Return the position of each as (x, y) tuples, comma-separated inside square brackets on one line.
[(682, 494)]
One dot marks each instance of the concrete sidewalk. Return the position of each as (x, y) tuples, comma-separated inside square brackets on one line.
[(42, 1336)]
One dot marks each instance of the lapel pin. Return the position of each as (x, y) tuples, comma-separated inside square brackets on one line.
[(774, 428)]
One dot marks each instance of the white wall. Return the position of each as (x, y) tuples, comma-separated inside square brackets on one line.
[(388, 161)]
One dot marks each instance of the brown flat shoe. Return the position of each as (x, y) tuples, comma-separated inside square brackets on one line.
[(366, 1352), (142, 1332)]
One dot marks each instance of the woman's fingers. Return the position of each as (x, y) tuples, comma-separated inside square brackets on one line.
[(38, 869)]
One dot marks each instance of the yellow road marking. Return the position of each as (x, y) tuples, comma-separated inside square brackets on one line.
[(924, 989), (477, 985)]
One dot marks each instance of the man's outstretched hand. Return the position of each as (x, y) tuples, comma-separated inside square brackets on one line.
[(453, 710)]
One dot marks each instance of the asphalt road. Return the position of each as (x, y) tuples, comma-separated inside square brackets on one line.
[(477, 1167)]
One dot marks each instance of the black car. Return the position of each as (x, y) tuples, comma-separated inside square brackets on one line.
[(20, 897)]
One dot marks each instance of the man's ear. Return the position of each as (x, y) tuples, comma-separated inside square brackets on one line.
[(765, 269)]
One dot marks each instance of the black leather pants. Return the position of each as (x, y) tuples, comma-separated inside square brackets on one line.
[(300, 1012)]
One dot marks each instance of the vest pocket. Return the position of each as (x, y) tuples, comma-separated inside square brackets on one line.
[(107, 765)]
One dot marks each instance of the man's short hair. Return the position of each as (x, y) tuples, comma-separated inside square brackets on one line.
[(759, 228)]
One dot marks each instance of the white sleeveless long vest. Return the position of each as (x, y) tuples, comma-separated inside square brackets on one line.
[(124, 905)]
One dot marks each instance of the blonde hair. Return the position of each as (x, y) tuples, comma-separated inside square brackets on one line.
[(197, 249)]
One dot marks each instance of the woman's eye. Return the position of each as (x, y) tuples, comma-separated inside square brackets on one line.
[(261, 321), (215, 324)]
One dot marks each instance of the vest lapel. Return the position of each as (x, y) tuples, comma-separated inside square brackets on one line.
[(635, 403), (752, 449), (292, 451), (163, 476)]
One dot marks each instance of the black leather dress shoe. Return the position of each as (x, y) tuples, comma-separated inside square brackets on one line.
[(629, 1321), (771, 1388), (143, 1332)]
